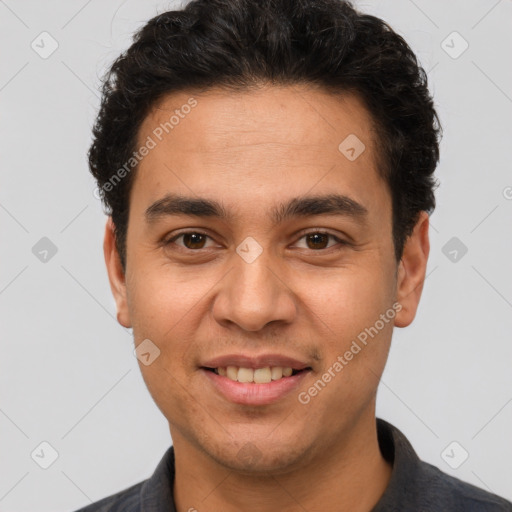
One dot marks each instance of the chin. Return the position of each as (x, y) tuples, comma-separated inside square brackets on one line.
[(258, 456)]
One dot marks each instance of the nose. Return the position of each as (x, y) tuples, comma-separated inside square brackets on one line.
[(254, 294)]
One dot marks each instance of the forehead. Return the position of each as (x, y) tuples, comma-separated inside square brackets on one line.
[(223, 120), (257, 144)]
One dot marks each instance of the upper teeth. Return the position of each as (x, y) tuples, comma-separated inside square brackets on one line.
[(258, 375)]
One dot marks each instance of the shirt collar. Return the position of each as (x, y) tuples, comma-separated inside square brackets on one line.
[(157, 491), (398, 451), (156, 494)]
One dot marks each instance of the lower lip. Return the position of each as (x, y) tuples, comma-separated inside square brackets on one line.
[(249, 393)]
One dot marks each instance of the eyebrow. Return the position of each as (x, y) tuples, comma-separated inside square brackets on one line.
[(330, 204)]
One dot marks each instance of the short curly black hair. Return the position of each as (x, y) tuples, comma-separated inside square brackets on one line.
[(238, 44)]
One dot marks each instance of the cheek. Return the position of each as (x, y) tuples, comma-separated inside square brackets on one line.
[(161, 298), (165, 309), (349, 298), (168, 307), (169, 390), (350, 304)]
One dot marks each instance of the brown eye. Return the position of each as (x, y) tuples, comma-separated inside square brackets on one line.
[(318, 240), (191, 240)]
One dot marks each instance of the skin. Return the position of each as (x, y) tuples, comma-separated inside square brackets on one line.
[(252, 151)]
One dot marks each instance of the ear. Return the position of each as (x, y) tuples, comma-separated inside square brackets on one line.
[(411, 271), (116, 275)]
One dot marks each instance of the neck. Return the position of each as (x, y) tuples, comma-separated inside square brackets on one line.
[(353, 475)]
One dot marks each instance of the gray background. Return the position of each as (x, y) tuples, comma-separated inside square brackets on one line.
[(67, 370)]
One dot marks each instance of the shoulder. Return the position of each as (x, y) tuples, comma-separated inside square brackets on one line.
[(455, 494), (417, 485), (127, 500), (154, 493)]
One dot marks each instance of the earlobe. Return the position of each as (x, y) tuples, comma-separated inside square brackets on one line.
[(116, 275), (411, 271)]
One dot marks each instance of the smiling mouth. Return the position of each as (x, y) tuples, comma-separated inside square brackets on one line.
[(263, 375)]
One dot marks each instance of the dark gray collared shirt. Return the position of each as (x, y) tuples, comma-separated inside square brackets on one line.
[(415, 486)]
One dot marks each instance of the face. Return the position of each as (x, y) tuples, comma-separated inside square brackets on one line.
[(254, 237)]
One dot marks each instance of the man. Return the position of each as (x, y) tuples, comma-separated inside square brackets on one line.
[(268, 170)]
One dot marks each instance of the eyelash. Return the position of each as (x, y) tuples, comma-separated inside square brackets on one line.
[(302, 235)]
